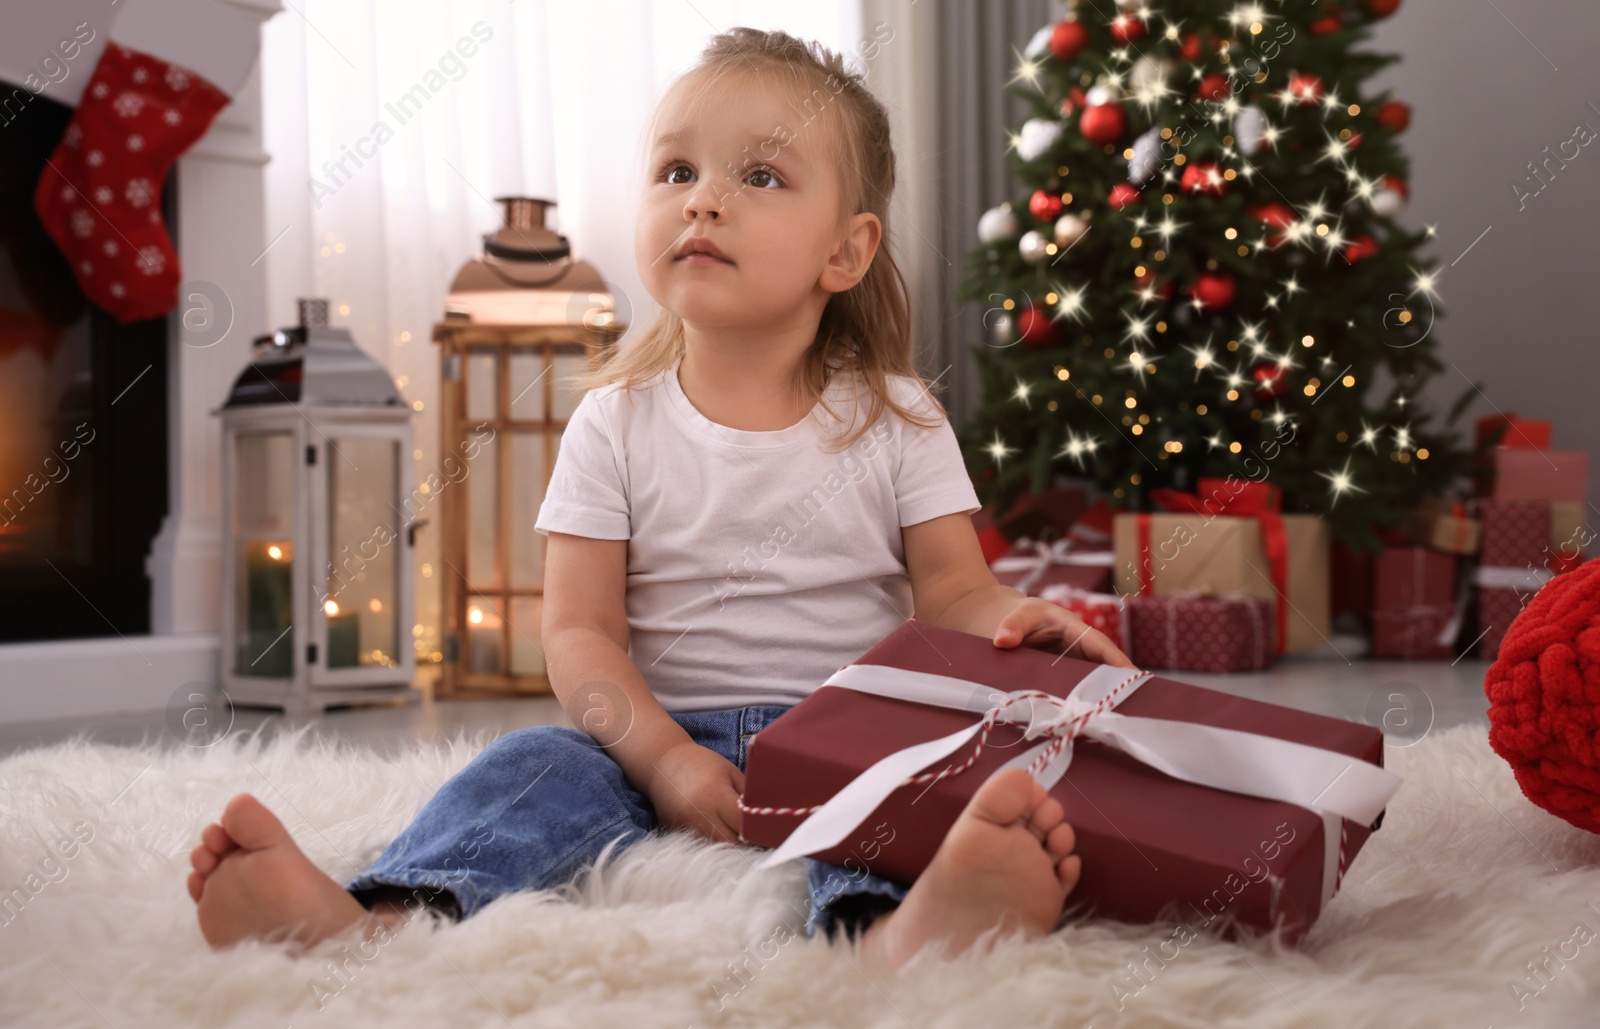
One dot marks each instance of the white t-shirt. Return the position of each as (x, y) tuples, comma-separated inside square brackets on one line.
[(757, 564)]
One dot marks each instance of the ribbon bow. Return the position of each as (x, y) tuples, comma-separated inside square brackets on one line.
[(1042, 556), (1331, 784)]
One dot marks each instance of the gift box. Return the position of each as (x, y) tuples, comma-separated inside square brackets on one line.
[(1281, 558), (1350, 589), (1520, 433), (1414, 611), (1519, 474), (1569, 535), (1198, 633), (1446, 525), (1244, 827), (1502, 594), (1044, 516), (1033, 565), (1516, 533), (1106, 612)]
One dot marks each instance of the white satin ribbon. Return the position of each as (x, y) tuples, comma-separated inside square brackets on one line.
[(1512, 577), (1335, 786), (1060, 552)]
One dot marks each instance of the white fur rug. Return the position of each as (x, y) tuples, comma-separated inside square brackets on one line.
[(1470, 907)]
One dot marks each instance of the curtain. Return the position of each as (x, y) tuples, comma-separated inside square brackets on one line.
[(943, 78)]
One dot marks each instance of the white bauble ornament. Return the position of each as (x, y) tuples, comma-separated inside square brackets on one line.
[(1002, 329), (1039, 43), (1097, 95), (1387, 202), (1146, 156), (1037, 136), (1128, 5), (1031, 246), (997, 224), (1069, 229), (1248, 125)]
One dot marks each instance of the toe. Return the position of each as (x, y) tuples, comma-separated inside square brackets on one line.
[(1048, 814), (197, 884), (1061, 840), (1004, 797), (1068, 869), (216, 839), (203, 859), (251, 825)]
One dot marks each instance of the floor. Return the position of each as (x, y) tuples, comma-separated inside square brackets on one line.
[(1405, 698)]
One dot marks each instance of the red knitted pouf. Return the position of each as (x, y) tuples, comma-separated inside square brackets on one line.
[(1544, 697)]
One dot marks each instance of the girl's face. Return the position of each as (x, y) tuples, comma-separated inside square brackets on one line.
[(753, 174)]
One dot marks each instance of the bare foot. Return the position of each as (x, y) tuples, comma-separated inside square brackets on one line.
[(250, 880), (1007, 861)]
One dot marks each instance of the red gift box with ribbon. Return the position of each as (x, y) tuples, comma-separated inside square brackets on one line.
[(1033, 565), (1106, 612), (1516, 547), (1187, 803), (1199, 633), (1415, 611), (1231, 539)]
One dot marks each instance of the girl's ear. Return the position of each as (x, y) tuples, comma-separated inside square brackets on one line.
[(853, 256)]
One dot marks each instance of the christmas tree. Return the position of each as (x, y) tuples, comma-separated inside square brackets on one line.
[(1206, 276)]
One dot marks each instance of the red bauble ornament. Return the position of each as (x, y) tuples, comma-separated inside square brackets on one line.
[(1269, 380), (1275, 215), (1305, 87), (1203, 177), (1213, 87), (1392, 114), (1216, 290), (1362, 246), (1044, 205), (1067, 39), (1034, 327), (1333, 21), (1103, 123), (1125, 28), (1190, 49), (1121, 196), (1397, 184), (1541, 691), (1354, 141), (1381, 8)]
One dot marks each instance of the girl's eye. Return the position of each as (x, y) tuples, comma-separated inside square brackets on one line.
[(665, 174)]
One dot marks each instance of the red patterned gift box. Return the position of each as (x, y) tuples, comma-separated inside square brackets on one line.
[(1249, 815), (1414, 612), (1033, 565), (1201, 634), (1103, 611), (1516, 544)]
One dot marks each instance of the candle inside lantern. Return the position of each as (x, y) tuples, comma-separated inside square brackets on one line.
[(267, 645)]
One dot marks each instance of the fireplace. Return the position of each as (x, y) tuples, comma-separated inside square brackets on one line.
[(83, 424)]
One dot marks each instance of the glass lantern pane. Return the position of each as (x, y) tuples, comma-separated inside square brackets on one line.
[(483, 386), (527, 384), (569, 363), (485, 636), (483, 499), (362, 602), (527, 650), (527, 493), (263, 533)]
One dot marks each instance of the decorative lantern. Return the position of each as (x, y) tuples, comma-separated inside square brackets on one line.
[(519, 322), (317, 561)]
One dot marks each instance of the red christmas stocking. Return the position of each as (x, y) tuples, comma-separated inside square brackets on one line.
[(100, 194)]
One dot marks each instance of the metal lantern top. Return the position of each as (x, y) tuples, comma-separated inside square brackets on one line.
[(528, 276), (312, 363)]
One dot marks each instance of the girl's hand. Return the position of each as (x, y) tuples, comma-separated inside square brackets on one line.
[(1039, 623), (696, 788)]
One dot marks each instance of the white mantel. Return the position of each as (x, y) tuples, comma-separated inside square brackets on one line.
[(220, 237)]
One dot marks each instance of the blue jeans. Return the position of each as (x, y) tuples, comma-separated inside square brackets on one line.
[(539, 804)]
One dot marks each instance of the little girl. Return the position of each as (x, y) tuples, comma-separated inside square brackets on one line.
[(747, 498)]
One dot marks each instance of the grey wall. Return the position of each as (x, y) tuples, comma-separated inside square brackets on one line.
[(1519, 308)]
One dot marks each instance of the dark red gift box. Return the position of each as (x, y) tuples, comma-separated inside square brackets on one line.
[(1201, 634), (1414, 603), (1032, 565), (1153, 846)]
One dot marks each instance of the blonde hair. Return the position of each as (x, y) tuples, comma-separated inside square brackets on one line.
[(866, 328)]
